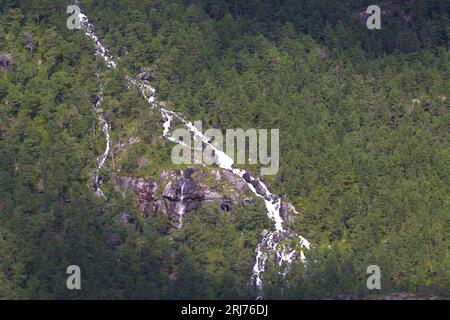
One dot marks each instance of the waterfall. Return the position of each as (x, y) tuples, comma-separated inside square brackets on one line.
[(104, 53), (100, 49), (102, 159), (182, 209), (273, 244), (168, 115)]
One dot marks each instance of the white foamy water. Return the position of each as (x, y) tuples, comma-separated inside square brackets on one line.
[(101, 51), (102, 159), (273, 244), (168, 115), (182, 209)]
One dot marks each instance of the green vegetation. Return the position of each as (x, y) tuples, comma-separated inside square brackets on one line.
[(365, 164)]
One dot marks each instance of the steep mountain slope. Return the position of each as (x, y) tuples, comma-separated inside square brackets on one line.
[(364, 146)]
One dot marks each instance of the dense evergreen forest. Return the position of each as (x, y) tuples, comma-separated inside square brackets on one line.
[(364, 120)]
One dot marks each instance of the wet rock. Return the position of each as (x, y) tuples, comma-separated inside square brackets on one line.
[(147, 74), (187, 173), (6, 60), (212, 196), (236, 181), (257, 185), (163, 104), (182, 187), (288, 211), (227, 204), (181, 194), (94, 99), (123, 51), (40, 186), (124, 218), (120, 147), (281, 247), (145, 191), (29, 42)]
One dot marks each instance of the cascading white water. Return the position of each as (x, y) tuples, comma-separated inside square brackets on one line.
[(274, 242), (182, 209), (102, 159), (100, 49), (169, 116), (104, 53)]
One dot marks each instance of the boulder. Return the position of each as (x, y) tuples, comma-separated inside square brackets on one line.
[(123, 51), (288, 211), (29, 42), (6, 60), (147, 74)]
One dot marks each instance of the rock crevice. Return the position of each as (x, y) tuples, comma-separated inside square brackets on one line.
[(179, 192)]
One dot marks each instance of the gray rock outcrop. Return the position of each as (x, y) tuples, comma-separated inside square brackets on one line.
[(6, 60), (179, 190)]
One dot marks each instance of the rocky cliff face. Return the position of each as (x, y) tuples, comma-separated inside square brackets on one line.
[(177, 192), (145, 191)]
